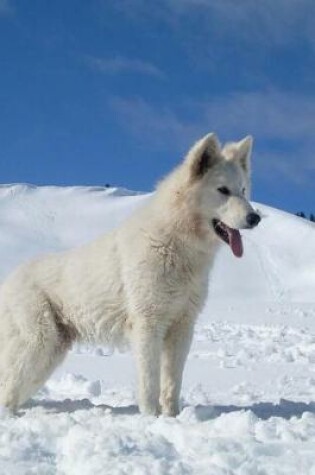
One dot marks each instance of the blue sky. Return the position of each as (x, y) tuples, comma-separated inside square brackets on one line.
[(114, 91)]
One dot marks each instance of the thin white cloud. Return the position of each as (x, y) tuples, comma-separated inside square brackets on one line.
[(276, 22), (272, 114), (6, 7), (159, 126), (271, 22), (296, 165), (122, 65), (281, 123)]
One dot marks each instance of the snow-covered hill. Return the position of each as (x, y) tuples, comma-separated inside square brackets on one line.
[(278, 265), (249, 383)]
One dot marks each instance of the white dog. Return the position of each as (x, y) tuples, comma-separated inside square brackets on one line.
[(144, 282)]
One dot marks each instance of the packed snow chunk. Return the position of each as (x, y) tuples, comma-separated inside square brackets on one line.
[(117, 447), (73, 386)]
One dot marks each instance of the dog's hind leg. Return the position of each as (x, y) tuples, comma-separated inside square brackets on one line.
[(28, 359), (175, 350)]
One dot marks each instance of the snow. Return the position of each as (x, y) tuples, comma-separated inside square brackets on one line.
[(249, 386)]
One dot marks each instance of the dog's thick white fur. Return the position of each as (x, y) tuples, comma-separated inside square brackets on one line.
[(145, 282)]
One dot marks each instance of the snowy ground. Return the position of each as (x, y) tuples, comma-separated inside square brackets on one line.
[(249, 387)]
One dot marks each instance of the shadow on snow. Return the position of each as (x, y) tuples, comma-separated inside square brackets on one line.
[(263, 410)]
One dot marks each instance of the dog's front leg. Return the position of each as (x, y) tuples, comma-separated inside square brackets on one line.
[(147, 344), (174, 353)]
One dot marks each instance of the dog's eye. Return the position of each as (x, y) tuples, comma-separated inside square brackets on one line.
[(224, 190)]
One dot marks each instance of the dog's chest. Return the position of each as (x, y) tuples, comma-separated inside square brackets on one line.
[(185, 286)]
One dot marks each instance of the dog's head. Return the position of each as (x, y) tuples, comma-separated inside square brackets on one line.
[(221, 178)]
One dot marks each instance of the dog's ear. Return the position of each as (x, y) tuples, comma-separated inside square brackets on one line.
[(203, 155), (244, 152)]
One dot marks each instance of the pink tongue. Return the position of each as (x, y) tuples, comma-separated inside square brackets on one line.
[(235, 242)]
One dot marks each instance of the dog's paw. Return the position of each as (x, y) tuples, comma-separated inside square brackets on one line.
[(170, 410), (150, 409)]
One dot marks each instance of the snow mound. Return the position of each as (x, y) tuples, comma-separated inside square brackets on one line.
[(96, 441)]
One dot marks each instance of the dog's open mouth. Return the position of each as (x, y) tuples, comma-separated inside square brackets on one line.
[(231, 236)]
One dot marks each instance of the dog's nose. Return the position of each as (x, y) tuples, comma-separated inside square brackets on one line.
[(253, 219)]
